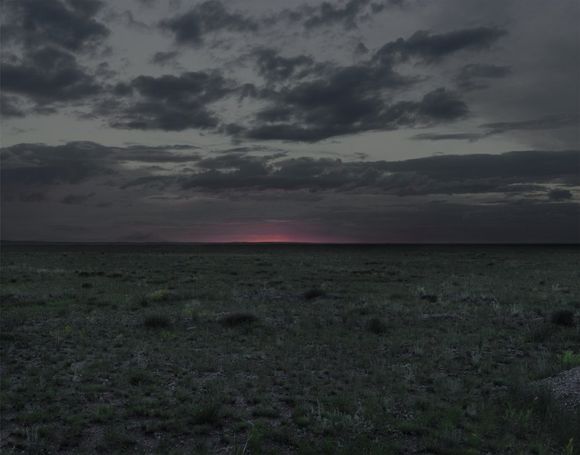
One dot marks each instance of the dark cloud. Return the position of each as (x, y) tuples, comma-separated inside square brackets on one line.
[(32, 197), (274, 67), (559, 194), (164, 58), (345, 13), (452, 222), (9, 107), (76, 199), (245, 149), (448, 137), (76, 162), (441, 105), (334, 101), (513, 172), (235, 161), (39, 164), (361, 49), (330, 13), (156, 154), (544, 123), (207, 17), (128, 20), (550, 122), (526, 165), (349, 103), (460, 198), (475, 75), (48, 75), (337, 101), (431, 47), (70, 24), (171, 103), (308, 81)]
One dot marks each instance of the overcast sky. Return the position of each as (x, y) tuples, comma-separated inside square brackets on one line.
[(267, 120)]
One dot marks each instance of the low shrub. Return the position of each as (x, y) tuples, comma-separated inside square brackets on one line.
[(237, 319), (314, 293), (563, 317), (157, 321), (376, 325)]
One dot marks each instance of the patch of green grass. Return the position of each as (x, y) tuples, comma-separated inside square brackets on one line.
[(162, 295), (569, 359)]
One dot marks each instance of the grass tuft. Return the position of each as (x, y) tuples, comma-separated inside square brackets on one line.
[(541, 334), (138, 377), (238, 319), (314, 293), (162, 295), (377, 326), (208, 413), (536, 407), (157, 321)]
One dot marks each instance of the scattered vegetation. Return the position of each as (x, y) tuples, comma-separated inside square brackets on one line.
[(208, 412), (531, 406), (195, 350), (237, 319), (157, 321), (570, 359), (162, 295), (377, 325), (314, 293)]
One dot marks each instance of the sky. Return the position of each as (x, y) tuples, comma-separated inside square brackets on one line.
[(348, 121)]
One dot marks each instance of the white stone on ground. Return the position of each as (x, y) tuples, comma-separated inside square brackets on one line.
[(564, 388)]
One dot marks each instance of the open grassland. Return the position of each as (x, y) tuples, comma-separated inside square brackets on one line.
[(287, 349)]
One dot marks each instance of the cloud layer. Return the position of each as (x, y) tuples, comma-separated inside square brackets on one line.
[(353, 120), (88, 182)]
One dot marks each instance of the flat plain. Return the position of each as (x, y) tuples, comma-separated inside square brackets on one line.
[(287, 349)]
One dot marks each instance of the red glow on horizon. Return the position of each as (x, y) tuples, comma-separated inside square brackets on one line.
[(281, 238), (266, 232)]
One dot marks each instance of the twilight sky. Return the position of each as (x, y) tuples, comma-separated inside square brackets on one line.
[(295, 120)]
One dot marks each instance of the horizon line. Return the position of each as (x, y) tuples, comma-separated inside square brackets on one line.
[(290, 243)]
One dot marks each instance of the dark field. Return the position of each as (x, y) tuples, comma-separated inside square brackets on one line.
[(287, 349)]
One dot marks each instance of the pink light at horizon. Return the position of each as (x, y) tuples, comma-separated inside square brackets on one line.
[(264, 232)]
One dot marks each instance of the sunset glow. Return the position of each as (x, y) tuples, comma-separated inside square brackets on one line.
[(302, 121), (276, 232)]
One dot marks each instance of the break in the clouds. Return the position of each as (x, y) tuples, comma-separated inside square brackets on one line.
[(354, 120)]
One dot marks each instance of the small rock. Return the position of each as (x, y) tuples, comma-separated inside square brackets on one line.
[(564, 388)]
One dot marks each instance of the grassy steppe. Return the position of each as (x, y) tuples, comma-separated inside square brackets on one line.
[(286, 349)]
